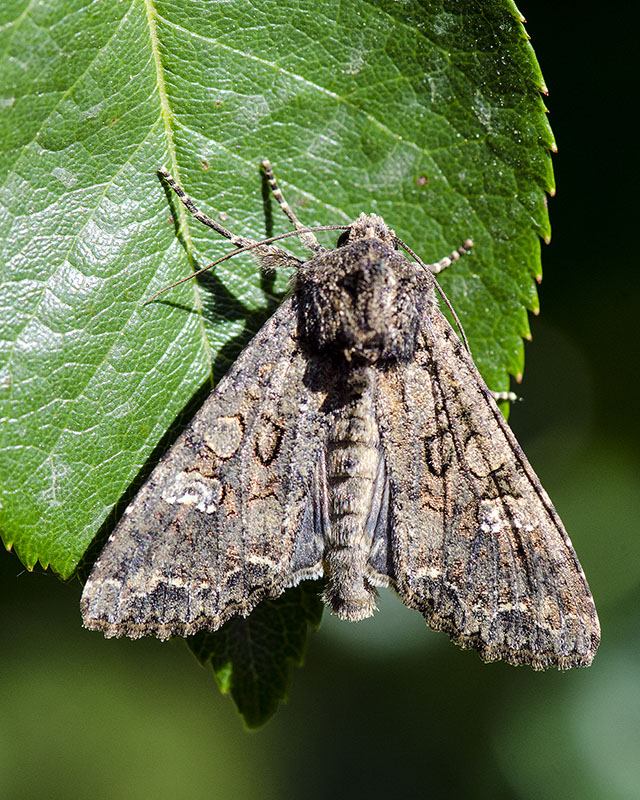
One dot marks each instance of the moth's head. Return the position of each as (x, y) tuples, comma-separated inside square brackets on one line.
[(368, 226)]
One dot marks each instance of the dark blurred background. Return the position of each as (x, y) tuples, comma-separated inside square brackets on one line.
[(386, 707)]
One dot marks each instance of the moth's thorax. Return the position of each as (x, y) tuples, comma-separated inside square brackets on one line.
[(364, 299)]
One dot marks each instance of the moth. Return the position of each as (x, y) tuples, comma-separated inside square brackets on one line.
[(353, 439)]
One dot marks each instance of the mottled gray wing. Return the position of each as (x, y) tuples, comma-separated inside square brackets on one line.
[(475, 543), (233, 512)]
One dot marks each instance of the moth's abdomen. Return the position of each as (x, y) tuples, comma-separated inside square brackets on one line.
[(353, 462)]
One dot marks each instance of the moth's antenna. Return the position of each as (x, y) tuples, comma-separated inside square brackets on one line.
[(445, 262), (453, 314), (243, 249)]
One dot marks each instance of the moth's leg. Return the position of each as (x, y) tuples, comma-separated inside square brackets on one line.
[(447, 261), (269, 256), (501, 397), (239, 241), (308, 239)]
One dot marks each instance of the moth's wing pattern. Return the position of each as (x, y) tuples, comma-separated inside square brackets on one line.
[(234, 511), (475, 542)]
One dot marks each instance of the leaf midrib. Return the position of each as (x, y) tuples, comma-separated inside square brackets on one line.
[(167, 117)]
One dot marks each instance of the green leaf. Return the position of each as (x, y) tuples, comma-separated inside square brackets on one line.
[(252, 657), (428, 113)]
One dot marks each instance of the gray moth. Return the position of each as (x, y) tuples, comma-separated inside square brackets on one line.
[(353, 439)]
